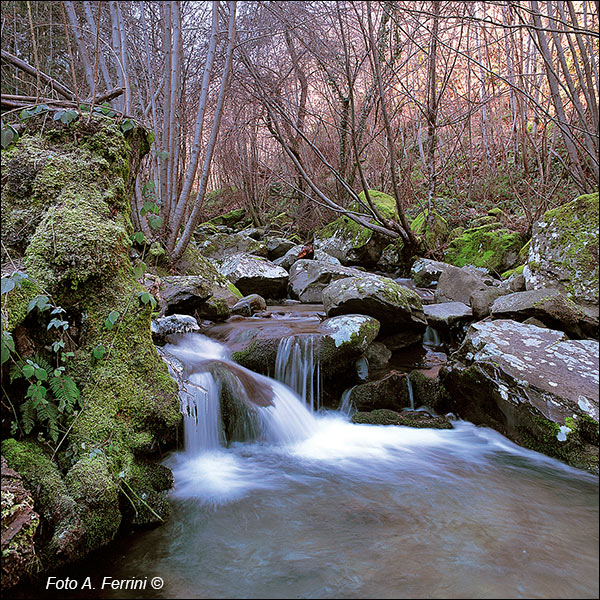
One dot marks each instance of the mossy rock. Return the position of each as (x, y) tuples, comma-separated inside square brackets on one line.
[(564, 250), (434, 231), (228, 219), (78, 251), (418, 419), (352, 243), (489, 246)]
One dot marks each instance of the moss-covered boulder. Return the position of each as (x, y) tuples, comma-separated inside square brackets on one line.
[(220, 246), (411, 418), (433, 230), (490, 246), (564, 250), (396, 307), (77, 250), (533, 385), (353, 244)]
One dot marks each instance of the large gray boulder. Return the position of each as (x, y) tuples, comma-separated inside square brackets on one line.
[(337, 342), (195, 295), (219, 246), (255, 275), (447, 314), (457, 284), (164, 326), (533, 385), (390, 392), (278, 246), (396, 307), (550, 306), (426, 272), (290, 257), (564, 250), (308, 278)]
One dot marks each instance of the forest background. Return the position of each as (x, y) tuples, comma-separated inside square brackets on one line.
[(295, 108)]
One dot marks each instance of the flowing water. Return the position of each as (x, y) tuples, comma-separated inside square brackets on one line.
[(317, 507)]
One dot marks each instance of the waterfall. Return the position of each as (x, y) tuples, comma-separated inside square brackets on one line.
[(201, 410), (223, 402), (297, 365), (411, 395), (431, 337), (346, 407)]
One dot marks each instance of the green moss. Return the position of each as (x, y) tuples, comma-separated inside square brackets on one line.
[(228, 219), (384, 416), (579, 449), (517, 270), (17, 301), (487, 246)]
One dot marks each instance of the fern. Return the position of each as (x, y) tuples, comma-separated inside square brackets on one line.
[(65, 390)]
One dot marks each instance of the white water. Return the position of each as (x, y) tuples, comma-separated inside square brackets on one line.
[(322, 508), (297, 365)]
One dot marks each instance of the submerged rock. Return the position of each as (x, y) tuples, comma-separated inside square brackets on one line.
[(564, 250), (531, 384)]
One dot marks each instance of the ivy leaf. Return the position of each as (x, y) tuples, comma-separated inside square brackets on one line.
[(57, 346), (149, 188), (9, 135), (41, 374), (58, 323), (150, 137), (99, 351), (42, 303), (7, 285), (127, 125), (139, 270), (8, 345), (112, 319), (155, 222), (68, 116), (139, 237), (28, 371), (58, 115), (163, 155)]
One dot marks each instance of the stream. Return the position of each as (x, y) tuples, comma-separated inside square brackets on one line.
[(317, 507)]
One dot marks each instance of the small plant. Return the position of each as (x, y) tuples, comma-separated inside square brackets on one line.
[(49, 410)]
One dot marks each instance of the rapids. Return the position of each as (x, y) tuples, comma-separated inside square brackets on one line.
[(317, 507)]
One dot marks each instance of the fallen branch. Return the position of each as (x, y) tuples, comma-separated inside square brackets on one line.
[(60, 89)]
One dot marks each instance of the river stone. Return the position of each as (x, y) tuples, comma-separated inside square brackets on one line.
[(19, 524), (491, 246), (183, 293), (308, 279), (396, 307), (447, 314), (550, 306), (533, 385), (277, 247), (426, 272), (457, 285), (323, 257), (164, 326), (254, 275), (344, 339), (407, 418), (390, 392), (564, 250), (481, 300), (289, 258), (249, 305), (220, 246)]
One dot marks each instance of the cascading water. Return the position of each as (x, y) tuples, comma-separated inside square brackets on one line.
[(431, 337), (297, 365), (253, 406), (317, 507), (411, 393)]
